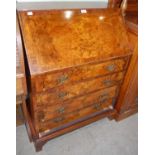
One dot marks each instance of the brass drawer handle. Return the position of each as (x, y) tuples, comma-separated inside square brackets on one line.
[(111, 67), (61, 110), (97, 106), (62, 94), (103, 96), (58, 119), (62, 79), (102, 100)]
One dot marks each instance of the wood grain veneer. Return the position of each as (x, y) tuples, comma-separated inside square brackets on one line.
[(127, 103)]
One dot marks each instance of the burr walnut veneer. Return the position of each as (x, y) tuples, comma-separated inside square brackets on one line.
[(76, 62)]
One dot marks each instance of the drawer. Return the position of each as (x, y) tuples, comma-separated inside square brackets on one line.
[(49, 112), (74, 116), (74, 74), (72, 90)]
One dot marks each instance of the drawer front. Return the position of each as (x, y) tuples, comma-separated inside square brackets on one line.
[(62, 93), (49, 112), (71, 75), (65, 119)]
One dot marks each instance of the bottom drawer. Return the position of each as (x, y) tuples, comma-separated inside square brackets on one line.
[(65, 119)]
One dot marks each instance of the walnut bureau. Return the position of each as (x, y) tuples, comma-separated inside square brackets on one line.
[(76, 65)]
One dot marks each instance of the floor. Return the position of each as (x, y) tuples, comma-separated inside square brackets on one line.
[(103, 137)]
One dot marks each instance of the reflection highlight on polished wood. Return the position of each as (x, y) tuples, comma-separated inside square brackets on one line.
[(60, 39)]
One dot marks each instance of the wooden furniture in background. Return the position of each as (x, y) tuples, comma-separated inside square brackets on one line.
[(132, 12), (21, 88), (130, 9), (127, 103)]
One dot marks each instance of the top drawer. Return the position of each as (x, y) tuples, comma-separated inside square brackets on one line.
[(50, 80)]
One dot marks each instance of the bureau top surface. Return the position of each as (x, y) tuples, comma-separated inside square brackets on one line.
[(58, 39)]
